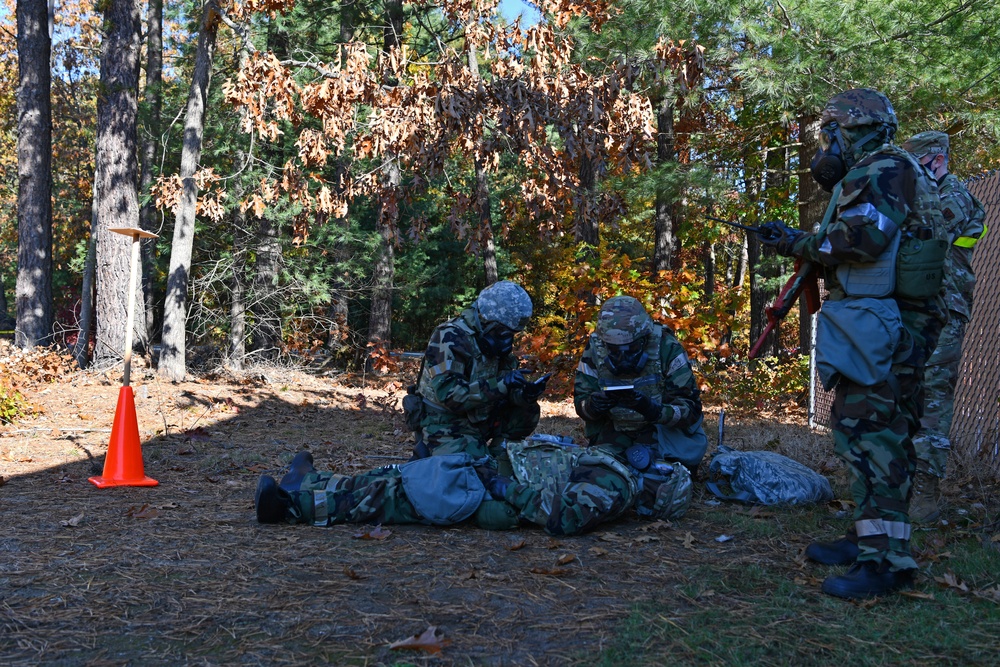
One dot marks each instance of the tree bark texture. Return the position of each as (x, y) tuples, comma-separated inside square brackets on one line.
[(587, 228), (33, 291), (487, 243), (387, 217), (812, 205), (172, 355), (116, 179), (149, 218), (665, 224), (766, 264), (265, 308), (81, 351)]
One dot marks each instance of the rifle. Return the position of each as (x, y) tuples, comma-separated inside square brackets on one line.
[(804, 279), (746, 228)]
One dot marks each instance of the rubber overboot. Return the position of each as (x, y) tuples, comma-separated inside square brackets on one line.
[(300, 466), (839, 552), (273, 504), (924, 503), (867, 579)]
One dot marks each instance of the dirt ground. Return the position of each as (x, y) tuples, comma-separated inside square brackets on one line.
[(182, 573)]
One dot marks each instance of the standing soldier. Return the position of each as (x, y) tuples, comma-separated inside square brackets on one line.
[(964, 217), (635, 389), (881, 245), (473, 394)]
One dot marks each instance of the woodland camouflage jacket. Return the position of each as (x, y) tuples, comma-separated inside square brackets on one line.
[(457, 377), (884, 191)]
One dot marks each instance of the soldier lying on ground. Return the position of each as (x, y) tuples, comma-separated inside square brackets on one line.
[(635, 389), (566, 489), (470, 392)]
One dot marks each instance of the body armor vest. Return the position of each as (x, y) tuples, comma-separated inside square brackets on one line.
[(548, 465), (912, 265), (625, 419)]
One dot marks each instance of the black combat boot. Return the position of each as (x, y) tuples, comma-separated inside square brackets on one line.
[(867, 579), (300, 466), (274, 504), (839, 552)]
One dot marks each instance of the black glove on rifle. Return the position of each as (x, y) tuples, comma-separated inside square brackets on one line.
[(779, 236)]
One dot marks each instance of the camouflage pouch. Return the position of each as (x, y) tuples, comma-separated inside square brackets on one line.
[(413, 408), (920, 266)]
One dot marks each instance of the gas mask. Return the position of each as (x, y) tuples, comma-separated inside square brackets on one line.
[(496, 340), (829, 165), (628, 358), (837, 153)]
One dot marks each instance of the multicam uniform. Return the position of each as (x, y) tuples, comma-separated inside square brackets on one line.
[(873, 425), (965, 219), (666, 377), (466, 405)]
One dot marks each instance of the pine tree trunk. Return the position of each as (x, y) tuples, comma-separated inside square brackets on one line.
[(116, 180), (81, 351), (33, 292), (812, 205), (709, 255), (148, 217), (665, 225), (339, 310), (587, 229), (236, 355), (387, 217), (6, 323), (265, 339), (172, 355), (482, 196)]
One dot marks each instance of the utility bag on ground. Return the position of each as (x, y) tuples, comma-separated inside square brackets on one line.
[(443, 489), (766, 478)]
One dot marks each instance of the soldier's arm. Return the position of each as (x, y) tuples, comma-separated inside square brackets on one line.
[(585, 383), (964, 216), (867, 216), (448, 365), (681, 397)]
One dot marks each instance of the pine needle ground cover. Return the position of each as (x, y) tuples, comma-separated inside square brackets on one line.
[(182, 573)]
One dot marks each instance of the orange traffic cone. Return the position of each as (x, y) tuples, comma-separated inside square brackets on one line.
[(123, 463)]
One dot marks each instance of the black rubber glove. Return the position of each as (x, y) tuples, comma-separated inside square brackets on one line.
[(495, 483), (779, 236), (599, 404), (647, 407), (533, 390), (511, 380)]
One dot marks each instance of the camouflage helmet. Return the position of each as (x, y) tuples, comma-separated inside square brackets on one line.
[(622, 319), (665, 492), (506, 303), (859, 107), (927, 143)]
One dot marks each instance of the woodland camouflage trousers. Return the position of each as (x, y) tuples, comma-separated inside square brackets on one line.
[(940, 379), (872, 430), (592, 495), (325, 499)]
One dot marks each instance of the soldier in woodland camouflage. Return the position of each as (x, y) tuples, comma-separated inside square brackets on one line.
[(653, 418), (883, 200), (964, 217), (565, 489), (473, 393)]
